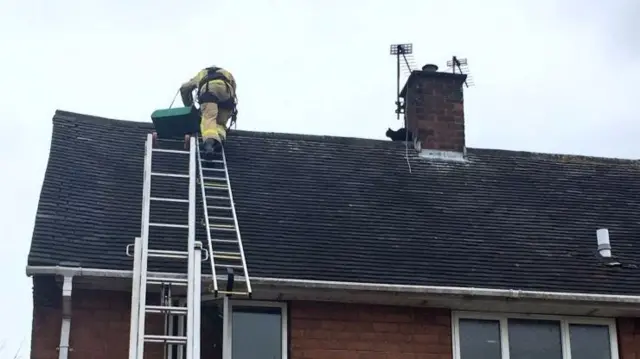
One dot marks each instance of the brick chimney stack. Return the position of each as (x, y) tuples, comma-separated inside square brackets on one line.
[(434, 111)]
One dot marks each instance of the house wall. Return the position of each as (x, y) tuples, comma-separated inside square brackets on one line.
[(100, 328), (317, 330)]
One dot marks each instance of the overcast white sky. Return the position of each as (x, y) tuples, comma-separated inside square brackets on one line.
[(548, 78)]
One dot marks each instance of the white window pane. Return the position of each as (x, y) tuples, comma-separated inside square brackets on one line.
[(534, 339), (589, 341), (479, 339), (256, 333)]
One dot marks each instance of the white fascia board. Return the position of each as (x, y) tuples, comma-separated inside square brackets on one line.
[(354, 286)]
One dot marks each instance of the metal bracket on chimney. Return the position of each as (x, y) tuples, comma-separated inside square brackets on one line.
[(441, 155)]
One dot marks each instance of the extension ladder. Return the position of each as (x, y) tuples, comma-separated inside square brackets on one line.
[(221, 225), (144, 249)]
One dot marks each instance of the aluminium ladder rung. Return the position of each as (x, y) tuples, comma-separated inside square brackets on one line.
[(167, 280), (222, 226), (170, 151), (236, 266), (221, 179), (232, 292), (166, 309), (227, 255), (224, 240), (168, 225), (213, 169), (212, 161), (221, 184), (163, 199), (163, 174), (160, 253), (221, 218), (216, 186), (168, 339)]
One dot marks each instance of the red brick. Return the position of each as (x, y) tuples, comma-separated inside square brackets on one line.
[(381, 332), (628, 338), (385, 327), (323, 334), (399, 317), (375, 355), (296, 322)]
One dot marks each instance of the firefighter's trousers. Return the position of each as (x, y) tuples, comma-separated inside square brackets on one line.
[(213, 123)]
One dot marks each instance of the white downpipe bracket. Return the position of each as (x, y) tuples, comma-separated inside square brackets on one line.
[(65, 330)]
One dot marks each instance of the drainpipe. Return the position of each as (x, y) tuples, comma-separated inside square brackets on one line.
[(66, 317)]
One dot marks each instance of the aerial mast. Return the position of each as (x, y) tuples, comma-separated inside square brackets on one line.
[(400, 50)]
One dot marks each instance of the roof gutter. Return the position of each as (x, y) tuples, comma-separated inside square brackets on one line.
[(354, 286)]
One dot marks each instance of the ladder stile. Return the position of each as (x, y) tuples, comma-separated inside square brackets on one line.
[(191, 300), (206, 219), (144, 245), (181, 332), (135, 299), (196, 308)]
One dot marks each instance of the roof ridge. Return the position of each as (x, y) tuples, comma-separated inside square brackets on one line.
[(70, 116), (305, 136), (557, 157)]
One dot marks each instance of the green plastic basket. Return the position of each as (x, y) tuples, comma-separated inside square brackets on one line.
[(176, 122)]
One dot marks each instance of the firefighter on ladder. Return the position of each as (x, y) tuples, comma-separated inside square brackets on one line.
[(217, 98)]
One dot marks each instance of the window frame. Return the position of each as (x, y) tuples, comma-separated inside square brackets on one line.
[(228, 305), (564, 322)]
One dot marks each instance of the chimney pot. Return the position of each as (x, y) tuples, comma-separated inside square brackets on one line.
[(430, 68)]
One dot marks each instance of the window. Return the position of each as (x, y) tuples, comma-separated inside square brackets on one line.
[(255, 330), (484, 336)]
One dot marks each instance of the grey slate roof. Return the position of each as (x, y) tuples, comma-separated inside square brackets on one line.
[(344, 209)]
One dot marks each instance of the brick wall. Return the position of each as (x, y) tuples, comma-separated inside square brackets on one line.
[(346, 331), (629, 338), (100, 328), (318, 330), (99, 324)]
